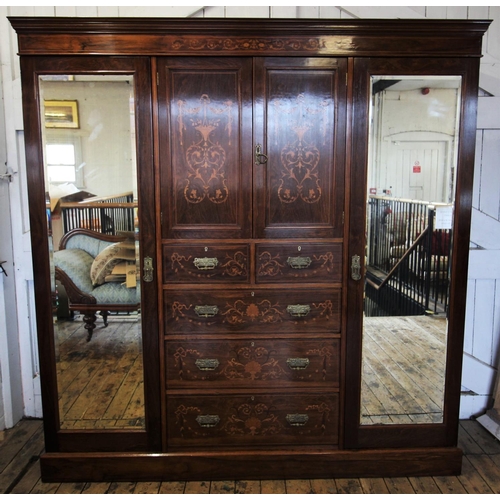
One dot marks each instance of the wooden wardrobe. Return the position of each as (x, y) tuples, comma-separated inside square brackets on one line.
[(252, 142)]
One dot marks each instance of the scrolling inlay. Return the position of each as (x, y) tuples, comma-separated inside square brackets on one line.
[(299, 159), (232, 265), (206, 159), (310, 44), (240, 312), (273, 265)]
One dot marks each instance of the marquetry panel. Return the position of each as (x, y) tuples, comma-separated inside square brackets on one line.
[(205, 146), (300, 187), (261, 419), (299, 263), (260, 311), (251, 362), (206, 263)]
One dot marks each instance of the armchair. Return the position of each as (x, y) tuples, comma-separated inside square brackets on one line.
[(75, 261)]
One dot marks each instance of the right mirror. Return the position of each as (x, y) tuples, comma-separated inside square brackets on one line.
[(413, 148)]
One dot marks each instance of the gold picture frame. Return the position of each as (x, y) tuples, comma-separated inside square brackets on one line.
[(61, 114)]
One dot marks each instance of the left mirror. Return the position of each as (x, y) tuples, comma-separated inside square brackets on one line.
[(88, 131)]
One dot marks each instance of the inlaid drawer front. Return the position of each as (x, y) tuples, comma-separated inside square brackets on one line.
[(233, 420), (251, 362), (263, 311), (310, 262), (200, 264)]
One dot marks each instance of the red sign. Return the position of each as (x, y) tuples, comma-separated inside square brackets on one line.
[(416, 168)]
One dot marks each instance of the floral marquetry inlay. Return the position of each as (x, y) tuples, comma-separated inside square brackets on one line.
[(232, 265), (299, 176), (309, 44), (206, 158), (274, 265)]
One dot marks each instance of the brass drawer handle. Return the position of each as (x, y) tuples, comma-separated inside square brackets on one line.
[(298, 310), (297, 363), (207, 420), (206, 311), (206, 364), (299, 262), (205, 263), (297, 419)]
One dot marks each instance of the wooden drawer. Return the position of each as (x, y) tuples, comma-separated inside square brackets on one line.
[(206, 264), (251, 362), (262, 311), (245, 420), (309, 262)]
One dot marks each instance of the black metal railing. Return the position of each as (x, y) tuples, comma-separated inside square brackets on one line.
[(408, 259), (106, 215)]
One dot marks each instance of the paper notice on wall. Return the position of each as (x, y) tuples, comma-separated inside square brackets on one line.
[(444, 218)]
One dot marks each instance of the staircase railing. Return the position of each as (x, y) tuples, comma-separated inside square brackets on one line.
[(106, 215), (407, 259)]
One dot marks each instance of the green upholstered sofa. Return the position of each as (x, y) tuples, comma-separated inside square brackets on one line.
[(73, 264)]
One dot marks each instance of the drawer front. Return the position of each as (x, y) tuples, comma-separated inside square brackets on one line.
[(263, 311), (206, 264), (261, 420), (304, 263), (251, 362)]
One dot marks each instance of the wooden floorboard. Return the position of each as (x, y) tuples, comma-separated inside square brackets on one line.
[(403, 369), (20, 473)]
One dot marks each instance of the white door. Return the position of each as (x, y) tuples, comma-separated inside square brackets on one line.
[(418, 170)]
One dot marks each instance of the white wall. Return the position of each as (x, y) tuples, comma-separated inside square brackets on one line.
[(483, 306)]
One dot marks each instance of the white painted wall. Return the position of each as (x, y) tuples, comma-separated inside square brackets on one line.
[(483, 305)]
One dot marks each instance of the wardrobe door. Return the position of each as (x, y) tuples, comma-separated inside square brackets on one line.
[(413, 138), (88, 131), (299, 147), (205, 145)]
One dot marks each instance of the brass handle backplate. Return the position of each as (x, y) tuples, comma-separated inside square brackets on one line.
[(356, 267), (206, 365), (205, 263), (298, 310), (260, 157), (297, 363), (299, 262), (148, 270), (297, 419), (207, 420), (206, 311)]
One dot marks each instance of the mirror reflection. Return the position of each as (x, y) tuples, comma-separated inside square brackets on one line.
[(411, 183), (88, 130)]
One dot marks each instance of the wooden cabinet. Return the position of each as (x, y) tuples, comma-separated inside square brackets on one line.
[(252, 141)]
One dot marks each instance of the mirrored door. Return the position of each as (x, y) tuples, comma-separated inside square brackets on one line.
[(402, 264), (93, 235)]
